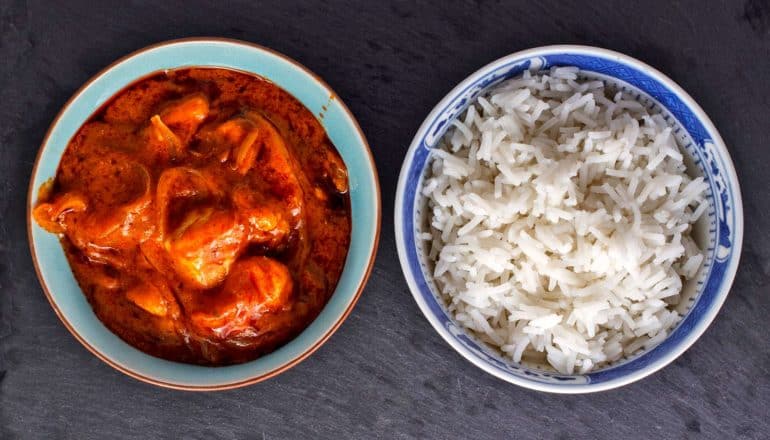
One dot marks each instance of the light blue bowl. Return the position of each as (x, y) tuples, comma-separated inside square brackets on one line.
[(54, 272), (720, 232)]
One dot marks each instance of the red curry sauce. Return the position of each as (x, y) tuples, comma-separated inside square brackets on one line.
[(204, 213)]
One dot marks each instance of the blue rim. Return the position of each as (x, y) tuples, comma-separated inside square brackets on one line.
[(700, 142)]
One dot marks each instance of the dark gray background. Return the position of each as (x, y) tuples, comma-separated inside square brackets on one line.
[(386, 373)]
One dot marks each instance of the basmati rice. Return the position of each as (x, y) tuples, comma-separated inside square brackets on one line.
[(559, 220)]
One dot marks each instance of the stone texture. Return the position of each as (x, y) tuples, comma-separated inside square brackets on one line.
[(386, 373)]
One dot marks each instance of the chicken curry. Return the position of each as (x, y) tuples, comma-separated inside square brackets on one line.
[(204, 213)]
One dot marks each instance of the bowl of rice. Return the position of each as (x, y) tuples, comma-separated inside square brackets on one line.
[(569, 219)]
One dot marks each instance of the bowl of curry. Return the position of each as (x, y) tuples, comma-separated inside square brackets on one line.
[(203, 214)]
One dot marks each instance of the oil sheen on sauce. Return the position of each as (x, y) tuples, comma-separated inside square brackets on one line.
[(204, 213)]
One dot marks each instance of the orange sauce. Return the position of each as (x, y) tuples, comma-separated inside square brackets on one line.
[(204, 213)]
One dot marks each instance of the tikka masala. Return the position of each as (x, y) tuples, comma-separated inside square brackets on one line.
[(204, 213)]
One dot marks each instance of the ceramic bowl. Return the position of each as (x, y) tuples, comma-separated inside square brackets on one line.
[(54, 272), (720, 232)]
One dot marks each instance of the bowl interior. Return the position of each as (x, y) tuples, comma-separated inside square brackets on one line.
[(715, 232), (54, 271)]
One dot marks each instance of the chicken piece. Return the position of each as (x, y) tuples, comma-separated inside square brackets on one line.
[(244, 141), (202, 238), (276, 164), (265, 218), (248, 135), (281, 179), (256, 286), (234, 130), (162, 140), (127, 224), (51, 215), (172, 129), (187, 113), (254, 145), (182, 184), (218, 140), (205, 245), (115, 218), (121, 217), (260, 133), (124, 218), (149, 298), (108, 239)]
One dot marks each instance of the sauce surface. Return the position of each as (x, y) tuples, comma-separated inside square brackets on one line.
[(204, 213)]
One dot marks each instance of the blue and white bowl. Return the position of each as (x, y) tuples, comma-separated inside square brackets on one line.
[(720, 233), (54, 272)]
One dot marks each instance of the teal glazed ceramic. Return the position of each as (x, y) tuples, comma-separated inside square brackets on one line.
[(54, 272)]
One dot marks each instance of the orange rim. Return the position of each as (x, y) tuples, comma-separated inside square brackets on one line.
[(289, 364)]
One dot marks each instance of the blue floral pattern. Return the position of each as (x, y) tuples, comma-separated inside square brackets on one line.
[(656, 95)]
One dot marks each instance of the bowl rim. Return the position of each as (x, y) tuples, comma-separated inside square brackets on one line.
[(31, 194), (573, 388)]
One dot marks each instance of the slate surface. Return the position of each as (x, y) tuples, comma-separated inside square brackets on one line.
[(386, 373)]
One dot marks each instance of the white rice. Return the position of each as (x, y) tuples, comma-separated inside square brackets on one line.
[(559, 219)]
